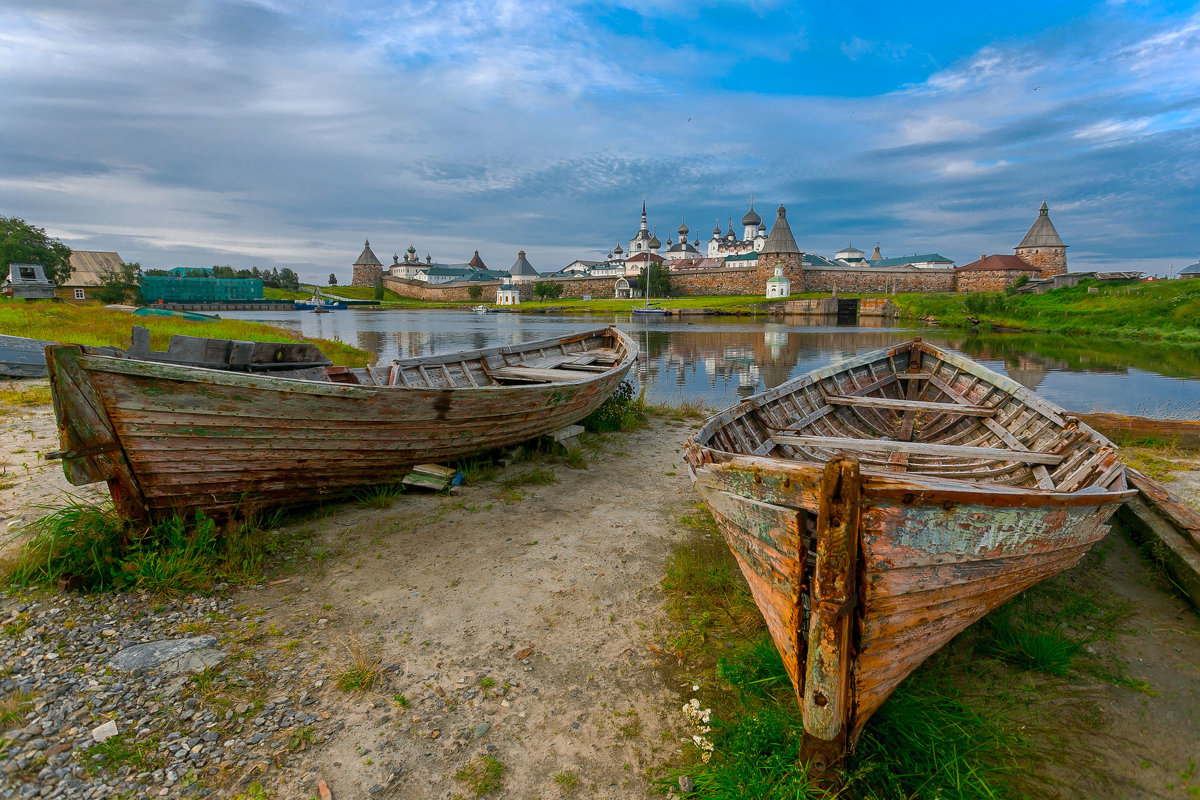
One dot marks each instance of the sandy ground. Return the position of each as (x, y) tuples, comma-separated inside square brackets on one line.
[(524, 628)]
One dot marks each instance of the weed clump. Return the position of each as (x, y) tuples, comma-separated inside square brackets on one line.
[(364, 667), (484, 774), (622, 411)]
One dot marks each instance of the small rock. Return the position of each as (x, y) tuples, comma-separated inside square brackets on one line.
[(686, 784), (102, 733), (481, 729)]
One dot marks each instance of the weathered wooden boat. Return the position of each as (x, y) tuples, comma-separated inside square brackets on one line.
[(879, 506), (171, 439), (22, 358)]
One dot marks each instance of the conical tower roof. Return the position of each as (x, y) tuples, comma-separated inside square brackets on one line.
[(522, 266), (476, 261), (781, 239), (368, 259), (1041, 232)]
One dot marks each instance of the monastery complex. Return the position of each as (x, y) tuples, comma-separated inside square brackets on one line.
[(756, 262)]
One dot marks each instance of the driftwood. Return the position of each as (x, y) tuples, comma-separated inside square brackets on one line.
[(1169, 527), (1181, 432)]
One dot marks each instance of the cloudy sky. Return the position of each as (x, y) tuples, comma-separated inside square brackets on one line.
[(274, 133)]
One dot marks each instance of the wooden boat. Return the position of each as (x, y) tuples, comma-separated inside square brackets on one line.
[(26, 358), (171, 439), (881, 505), (22, 358)]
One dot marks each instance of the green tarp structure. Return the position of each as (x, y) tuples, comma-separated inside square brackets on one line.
[(200, 290)]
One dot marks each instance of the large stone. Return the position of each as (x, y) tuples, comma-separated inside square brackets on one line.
[(192, 654)]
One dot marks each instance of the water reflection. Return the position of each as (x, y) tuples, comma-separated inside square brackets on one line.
[(719, 359)]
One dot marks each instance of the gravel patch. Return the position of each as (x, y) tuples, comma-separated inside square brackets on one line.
[(74, 724)]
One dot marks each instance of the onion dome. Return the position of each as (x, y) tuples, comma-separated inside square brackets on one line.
[(618, 249), (683, 231), (751, 217), (412, 251), (655, 243), (717, 229)]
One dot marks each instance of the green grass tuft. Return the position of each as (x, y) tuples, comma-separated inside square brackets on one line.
[(483, 775), (92, 547)]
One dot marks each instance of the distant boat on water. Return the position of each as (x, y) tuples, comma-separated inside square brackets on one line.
[(320, 304)]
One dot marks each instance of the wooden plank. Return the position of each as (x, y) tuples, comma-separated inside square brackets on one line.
[(906, 405), (586, 367), (546, 362), (827, 701), (1182, 433), (1172, 528), (917, 448), (535, 375)]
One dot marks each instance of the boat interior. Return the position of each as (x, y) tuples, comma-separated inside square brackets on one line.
[(550, 361), (917, 409)]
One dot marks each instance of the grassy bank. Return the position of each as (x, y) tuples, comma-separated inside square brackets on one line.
[(1166, 311), (103, 327), (344, 292)]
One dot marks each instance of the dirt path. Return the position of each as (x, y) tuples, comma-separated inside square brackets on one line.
[(454, 590)]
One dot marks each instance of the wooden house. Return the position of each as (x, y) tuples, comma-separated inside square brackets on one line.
[(87, 266)]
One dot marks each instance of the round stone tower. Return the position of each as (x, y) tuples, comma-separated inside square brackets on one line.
[(1042, 248), (368, 271)]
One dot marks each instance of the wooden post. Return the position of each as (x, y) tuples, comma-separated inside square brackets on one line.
[(827, 701)]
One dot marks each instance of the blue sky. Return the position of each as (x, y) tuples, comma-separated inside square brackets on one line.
[(275, 133)]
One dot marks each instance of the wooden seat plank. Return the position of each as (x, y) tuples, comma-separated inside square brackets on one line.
[(909, 405), (918, 448), (535, 375)]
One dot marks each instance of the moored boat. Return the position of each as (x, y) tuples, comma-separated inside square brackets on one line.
[(172, 439), (879, 506)]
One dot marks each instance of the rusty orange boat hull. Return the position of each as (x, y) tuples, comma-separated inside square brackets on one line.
[(880, 506)]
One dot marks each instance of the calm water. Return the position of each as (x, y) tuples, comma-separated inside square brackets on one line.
[(718, 358)]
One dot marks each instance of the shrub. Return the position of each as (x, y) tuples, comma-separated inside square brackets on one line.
[(547, 290), (475, 292)]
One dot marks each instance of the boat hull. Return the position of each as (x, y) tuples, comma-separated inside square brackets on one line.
[(22, 358), (175, 439), (933, 561), (867, 561)]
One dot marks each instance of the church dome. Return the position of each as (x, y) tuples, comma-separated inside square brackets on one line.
[(683, 231), (751, 217), (655, 243)]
